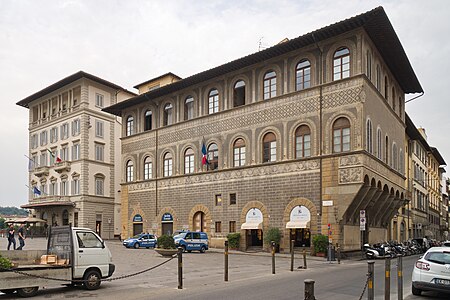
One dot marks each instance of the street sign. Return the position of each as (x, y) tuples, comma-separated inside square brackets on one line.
[(362, 213), (362, 220)]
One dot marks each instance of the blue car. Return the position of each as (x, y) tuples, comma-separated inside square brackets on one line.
[(190, 240), (143, 240)]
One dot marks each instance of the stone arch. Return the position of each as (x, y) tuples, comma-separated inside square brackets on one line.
[(174, 111), (205, 210), (137, 210), (205, 96), (259, 205), (182, 98), (182, 152), (248, 89), (162, 211)]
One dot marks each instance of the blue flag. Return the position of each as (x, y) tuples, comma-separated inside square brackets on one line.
[(36, 191)]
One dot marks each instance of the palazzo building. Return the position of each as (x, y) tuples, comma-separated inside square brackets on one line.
[(302, 135), (73, 150)]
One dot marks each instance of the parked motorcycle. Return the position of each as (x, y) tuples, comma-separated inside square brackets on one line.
[(378, 251)]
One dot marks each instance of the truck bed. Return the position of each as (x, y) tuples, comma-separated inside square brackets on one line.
[(13, 280)]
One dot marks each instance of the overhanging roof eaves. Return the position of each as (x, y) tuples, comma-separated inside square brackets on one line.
[(374, 22), (413, 132), (47, 204), (438, 156), (65, 81), (156, 78)]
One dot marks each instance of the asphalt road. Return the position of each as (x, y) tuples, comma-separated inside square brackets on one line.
[(249, 277)]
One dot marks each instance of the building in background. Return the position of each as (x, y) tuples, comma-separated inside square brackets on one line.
[(307, 136), (74, 150)]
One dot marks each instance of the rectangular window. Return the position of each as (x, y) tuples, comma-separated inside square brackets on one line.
[(44, 138), (98, 128), (53, 188), (189, 164), (218, 200), (64, 188), (54, 135), (168, 167), (64, 153), (34, 141), (232, 226), (232, 198), (33, 163), (218, 228), (43, 159), (76, 127), (99, 100), (76, 186), (65, 131), (99, 184), (76, 151), (99, 152)]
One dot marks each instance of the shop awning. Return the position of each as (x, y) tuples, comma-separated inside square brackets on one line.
[(251, 225), (47, 204), (297, 224)]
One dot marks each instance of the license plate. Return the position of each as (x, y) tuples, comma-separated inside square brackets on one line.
[(442, 281)]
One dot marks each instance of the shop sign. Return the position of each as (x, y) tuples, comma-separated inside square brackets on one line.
[(254, 215), (137, 218), (300, 214), (167, 217)]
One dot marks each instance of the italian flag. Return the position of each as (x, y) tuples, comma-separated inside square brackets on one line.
[(54, 156)]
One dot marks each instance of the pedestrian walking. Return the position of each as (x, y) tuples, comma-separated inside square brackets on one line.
[(21, 237), (11, 238)]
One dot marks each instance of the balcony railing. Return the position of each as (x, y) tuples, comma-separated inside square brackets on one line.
[(63, 166), (41, 171)]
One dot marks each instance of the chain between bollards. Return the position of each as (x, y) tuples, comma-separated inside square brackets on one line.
[(387, 279), (309, 289), (226, 261), (180, 268), (400, 278), (273, 256)]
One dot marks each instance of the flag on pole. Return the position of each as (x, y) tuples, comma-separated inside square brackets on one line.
[(51, 153), (31, 163), (204, 153), (57, 159), (36, 191)]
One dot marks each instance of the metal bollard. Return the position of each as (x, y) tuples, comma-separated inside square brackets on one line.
[(304, 259), (387, 279), (273, 256), (180, 268), (309, 289), (339, 255), (292, 255), (226, 261), (371, 276), (400, 278)]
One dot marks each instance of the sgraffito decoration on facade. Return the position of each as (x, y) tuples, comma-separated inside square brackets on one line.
[(351, 175)]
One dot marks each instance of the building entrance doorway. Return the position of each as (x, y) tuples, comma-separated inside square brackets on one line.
[(254, 238), (167, 228), (199, 221), (138, 228), (301, 237)]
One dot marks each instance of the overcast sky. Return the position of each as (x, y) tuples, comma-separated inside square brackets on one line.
[(128, 42)]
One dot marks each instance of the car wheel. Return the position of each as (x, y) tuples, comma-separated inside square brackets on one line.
[(189, 251), (136, 246), (415, 291), (92, 280), (28, 291), (203, 249)]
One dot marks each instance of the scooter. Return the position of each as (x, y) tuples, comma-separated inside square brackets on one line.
[(382, 251)]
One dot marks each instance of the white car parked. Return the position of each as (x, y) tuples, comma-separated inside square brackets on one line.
[(432, 271)]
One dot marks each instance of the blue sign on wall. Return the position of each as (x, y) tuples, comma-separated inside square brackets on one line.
[(137, 218), (167, 217)]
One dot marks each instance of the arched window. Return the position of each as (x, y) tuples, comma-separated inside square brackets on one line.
[(303, 75), (369, 146), (341, 135), (386, 150), (369, 65), (379, 144), (269, 147), (213, 157), (148, 120), (148, 168), (394, 157), (393, 99), (189, 161), (189, 108), (400, 106), (168, 163), (239, 153), (341, 64), (213, 101), (302, 142), (239, 94), (65, 217), (270, 85), (130, 125), (401, 165), (130, 171), (168, 114), (386, 88), (378, 83)]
